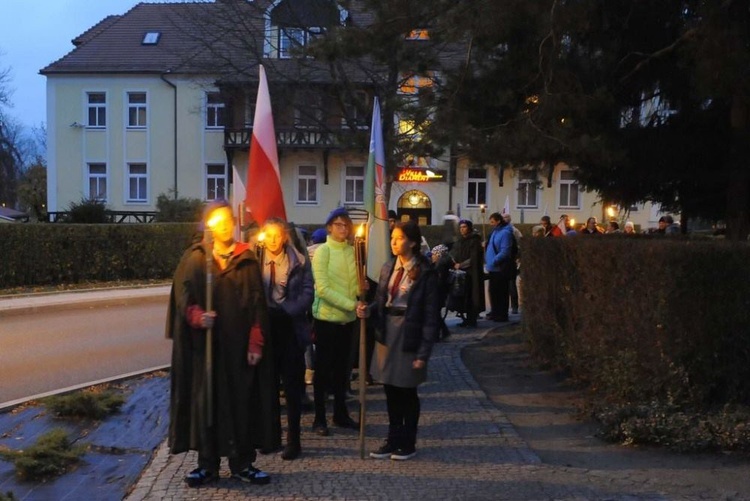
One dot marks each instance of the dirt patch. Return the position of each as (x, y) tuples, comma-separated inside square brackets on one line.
[(544, 409)]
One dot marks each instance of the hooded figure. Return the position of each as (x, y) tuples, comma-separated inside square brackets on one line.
[(245, 411)]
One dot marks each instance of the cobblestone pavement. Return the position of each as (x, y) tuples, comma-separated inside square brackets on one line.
[(467, 449)]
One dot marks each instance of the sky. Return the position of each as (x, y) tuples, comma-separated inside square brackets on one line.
[(33, 34)]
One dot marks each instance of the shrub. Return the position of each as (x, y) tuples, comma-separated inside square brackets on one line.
[(178, 210), (52, 455), (92, 404), (8, 496), (87, 212)]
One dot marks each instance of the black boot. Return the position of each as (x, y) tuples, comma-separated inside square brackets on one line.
[(293, 447)]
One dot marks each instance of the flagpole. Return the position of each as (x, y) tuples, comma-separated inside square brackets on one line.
[(360, 244)]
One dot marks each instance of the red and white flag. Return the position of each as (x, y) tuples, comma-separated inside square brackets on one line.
[(264, 197)]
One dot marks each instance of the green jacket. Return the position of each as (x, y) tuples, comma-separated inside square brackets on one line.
[(336, 284)]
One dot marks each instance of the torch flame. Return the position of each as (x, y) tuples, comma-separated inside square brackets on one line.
[(360, 231), (261, 236), (572, 222), (214, 220)]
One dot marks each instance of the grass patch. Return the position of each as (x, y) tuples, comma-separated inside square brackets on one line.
[(52, 455), (92, 403)]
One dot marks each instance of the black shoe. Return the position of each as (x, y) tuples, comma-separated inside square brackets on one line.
[(252, 475), (291, 451), (501, 319), (199, 477), (321, 429), (384, 452), (404, 453), (346, 422), (270, 450)]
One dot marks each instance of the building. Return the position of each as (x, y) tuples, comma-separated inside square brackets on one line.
[(159, 100)]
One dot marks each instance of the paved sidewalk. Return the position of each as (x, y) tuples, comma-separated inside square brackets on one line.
[(467, 449)]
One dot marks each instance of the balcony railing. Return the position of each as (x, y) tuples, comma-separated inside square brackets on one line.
[(239, 139)]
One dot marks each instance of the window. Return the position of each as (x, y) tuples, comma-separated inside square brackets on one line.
[(291, 39), (216, 182), (355, 117), (308, 109), (136, 109), (151, 38), (97, 182), (97, 105), (412, 83), (527, 188), (215, 113), (137, 183), (476, 187), (569, 191), (354, 185), (418, 34), (307, 185)]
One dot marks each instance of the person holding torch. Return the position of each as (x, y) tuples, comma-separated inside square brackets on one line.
[(223, 396), (406, 313)]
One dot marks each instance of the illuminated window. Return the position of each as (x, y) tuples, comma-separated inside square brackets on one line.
[(412, 83), (419, 34)]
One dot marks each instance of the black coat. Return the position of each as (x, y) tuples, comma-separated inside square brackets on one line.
[(468, 252), (422, 316), (245, 402)]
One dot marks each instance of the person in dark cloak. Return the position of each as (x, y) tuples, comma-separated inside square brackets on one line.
[(245, 413), (468, 255)]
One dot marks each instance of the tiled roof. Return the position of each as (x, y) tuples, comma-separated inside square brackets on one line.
[(114, 45)]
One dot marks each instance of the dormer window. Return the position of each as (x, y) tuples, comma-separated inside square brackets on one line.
[(291, 25), (151, 38)]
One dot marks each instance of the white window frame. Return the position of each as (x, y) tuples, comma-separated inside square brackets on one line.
[(99, 110), (215, 111), (532, 186), (213, 182), (141, 183), (357, 183), (99, 179), (302, 198), (571, 186), (137, 110), (473, 184)]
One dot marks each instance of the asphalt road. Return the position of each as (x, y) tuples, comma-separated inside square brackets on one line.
[(47, 350)]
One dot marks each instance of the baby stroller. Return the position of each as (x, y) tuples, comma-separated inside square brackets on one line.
[(456, 300)]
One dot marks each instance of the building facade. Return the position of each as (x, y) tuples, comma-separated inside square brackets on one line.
[(138, 109)]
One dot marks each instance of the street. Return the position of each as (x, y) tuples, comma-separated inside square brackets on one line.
[(50, 349)]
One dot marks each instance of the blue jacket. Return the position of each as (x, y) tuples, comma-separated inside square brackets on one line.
[(300, 290), (498, 256)]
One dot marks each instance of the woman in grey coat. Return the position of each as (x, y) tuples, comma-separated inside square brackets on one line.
[(406, 312)]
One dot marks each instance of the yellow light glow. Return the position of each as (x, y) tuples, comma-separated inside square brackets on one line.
[(611, 211), (481, 208), (215, 219), (261, 237), (572, 222), (360, 231)]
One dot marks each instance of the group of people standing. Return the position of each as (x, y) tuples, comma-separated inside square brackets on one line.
[(242, 317)]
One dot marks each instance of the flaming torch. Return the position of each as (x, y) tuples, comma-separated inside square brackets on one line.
[(260, 248), (360, 246), (208, 240)]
